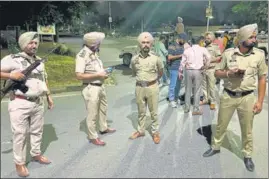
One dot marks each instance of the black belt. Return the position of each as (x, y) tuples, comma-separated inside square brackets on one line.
[(145, 83), (32, 99), (238, 94), (93, 84)]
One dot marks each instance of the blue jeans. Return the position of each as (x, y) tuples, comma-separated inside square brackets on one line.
[(174, 87), (165, 73)]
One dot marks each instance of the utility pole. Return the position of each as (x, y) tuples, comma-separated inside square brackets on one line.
[(208, 16), (110, 17), (142, 24)]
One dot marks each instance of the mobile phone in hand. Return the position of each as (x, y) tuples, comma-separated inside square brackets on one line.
[(109, 70), (241, 71)]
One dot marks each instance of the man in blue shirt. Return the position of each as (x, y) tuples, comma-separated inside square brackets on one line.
[(175, 52)]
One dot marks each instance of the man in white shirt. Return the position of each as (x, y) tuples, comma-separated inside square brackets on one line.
[(195, 58)]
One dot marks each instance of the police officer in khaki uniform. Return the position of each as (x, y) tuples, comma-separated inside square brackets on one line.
[(209, 80), (239, 69), (147, 67), (26, 110), (89, 69), (179, 26)]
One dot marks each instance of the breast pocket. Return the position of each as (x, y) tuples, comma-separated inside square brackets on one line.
[(252, 70), (39, 73), (152, 68)]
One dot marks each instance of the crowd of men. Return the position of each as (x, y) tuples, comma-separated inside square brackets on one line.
[(238, 67), (233, 59)]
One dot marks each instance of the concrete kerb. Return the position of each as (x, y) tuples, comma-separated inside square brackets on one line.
[(71, 89)]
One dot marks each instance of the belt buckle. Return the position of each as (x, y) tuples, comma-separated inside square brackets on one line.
[(144, 83), (238, 94)]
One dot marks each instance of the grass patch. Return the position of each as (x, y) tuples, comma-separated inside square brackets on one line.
[(60, 69), (61, 72)]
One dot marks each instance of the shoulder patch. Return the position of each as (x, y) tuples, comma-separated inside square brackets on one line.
[(82, 54), (135, 59), (24, 63)]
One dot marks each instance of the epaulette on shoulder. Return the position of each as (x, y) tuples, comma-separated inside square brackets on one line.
[(154, 53), (37, 57), (215, 44), (258, 50), (228, 50), (135, 57), (15, 55)]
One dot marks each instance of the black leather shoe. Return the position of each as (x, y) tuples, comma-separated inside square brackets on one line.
[(210, 152), (249, 164)]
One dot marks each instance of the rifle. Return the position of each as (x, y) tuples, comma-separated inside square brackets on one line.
[(20, 84)]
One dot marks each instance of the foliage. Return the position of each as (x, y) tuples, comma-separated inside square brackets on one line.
[(62, 49), (256, 11), (44, 12)]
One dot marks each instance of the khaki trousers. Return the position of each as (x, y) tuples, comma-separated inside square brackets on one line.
[(147, 97), (208, 86), (96, 105), (244, 107), (26, 118)]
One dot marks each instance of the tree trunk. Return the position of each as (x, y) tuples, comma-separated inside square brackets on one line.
[(56, 37), (27, 27)]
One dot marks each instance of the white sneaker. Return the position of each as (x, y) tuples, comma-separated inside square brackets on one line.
[(173, 104), (168, 81)]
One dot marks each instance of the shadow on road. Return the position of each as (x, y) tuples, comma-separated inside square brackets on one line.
[(49, 135), (134, 119), (231, 141), (167, 115), (84, 128), (125, 70)]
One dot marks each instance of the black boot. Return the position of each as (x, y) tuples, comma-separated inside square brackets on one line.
[(210, 152), (249, 164)]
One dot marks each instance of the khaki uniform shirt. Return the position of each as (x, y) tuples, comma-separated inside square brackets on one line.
[(179, 28), (146, 69), (36, 81), (214, 51), (88, 62), (253, 63)]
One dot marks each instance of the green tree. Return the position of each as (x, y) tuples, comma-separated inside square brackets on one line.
[(28, 14), (255, 12)]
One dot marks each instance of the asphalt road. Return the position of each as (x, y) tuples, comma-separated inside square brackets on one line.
[(178, 155)]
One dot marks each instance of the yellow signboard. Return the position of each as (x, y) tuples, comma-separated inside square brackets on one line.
[(208, 12), (46, 30)]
